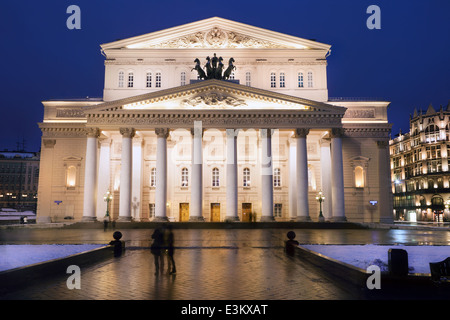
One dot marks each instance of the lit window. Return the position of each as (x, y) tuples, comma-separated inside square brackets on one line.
[(277, 209), (300, 79), (183, 78), (277, 177), (158, 80), (282, 80), (71, 177), (248, 79), (152, 210), (121, 78), (215, 177), (246, 177), (148, 83), (153, 177), (359, 177), (130, 79), (310, 80), (184, 177), (273, 80)]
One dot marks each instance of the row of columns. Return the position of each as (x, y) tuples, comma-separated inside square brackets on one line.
[(196, 204)]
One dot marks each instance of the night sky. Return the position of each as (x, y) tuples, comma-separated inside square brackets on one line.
[(406, 62)]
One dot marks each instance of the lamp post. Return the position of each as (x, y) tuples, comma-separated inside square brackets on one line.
[(320, 197), (107, 197)]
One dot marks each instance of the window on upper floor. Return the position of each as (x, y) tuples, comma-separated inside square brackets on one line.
[(273, 80), (310, 79), (148, 80), (277, 177), (158, 80), (121, 79), (130, 79), (248, 78), (153, 177), (183, 78), (246, 177), (282, 80), (184, 177), (300, 80), (215, 177)]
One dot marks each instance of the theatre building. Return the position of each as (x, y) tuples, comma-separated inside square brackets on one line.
[(215, 120)]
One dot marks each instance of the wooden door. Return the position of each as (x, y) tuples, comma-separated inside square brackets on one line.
[(215, 212), (246, 212), (184, 212)]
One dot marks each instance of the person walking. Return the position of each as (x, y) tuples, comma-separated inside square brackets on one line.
[(156, 249), (169, 242)]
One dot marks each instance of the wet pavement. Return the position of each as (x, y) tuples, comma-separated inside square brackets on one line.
[(211, 264)]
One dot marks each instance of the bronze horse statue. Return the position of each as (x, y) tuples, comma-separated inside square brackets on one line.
[(229, 70), (201, 73)]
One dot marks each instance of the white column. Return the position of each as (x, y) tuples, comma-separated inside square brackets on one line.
[(302, 176), (292, 179), (232, 175), (266, 176), (385, 201), (104, 176), (325, 168), (136, 188), (196, 205), (337, 176), (126, 164), (161, 175), (90, 175)]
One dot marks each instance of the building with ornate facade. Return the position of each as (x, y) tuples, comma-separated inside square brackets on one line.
[(215, 120), (419, 167)]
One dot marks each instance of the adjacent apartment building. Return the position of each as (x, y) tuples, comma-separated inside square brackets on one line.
[(419, 167)]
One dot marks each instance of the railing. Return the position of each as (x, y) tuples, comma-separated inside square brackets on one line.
[(336, 99)]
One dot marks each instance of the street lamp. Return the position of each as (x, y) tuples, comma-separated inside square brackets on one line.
[(107, 197), (320, 197)]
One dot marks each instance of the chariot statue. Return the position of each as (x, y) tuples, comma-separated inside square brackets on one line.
[(214, 68)]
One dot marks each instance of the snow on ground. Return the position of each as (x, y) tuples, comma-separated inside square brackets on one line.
[(362, 256), (14, 256)]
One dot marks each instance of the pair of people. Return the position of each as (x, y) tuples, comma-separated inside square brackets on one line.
[(163, 245)]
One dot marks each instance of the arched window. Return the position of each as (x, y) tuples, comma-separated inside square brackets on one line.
[(158, 80), (277, 177), (121, 79), (432, 133), (215, 177), (248, 79), (282, 80), (153, 177), (148, 82), (359, 177), (184, 177), (300, 79), (130, 79), (183, 78), (310, 79), (273, 80), (71, 177), (246, 177)]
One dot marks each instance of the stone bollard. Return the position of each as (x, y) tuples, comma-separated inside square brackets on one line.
[(119, 245), (291, 243)]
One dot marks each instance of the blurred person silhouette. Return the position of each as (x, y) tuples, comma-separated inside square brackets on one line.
[(291, 243), (157, 248), (169, 249)]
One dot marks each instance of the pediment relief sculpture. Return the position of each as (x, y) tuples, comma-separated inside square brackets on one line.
[(213, 100)]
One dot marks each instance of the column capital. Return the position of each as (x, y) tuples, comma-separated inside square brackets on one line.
[(127, 132), (301, 132), (325, 142), (162, 132), (197, 131), (49, 143), (336, 132), (265, 133), (92, 132)]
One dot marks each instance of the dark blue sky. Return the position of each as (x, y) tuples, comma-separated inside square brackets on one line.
[(406, 62)]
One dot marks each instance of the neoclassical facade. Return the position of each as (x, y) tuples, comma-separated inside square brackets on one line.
[(171, 145)]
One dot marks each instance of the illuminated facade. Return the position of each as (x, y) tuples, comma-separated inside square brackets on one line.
[(419, 168), (258, 146)]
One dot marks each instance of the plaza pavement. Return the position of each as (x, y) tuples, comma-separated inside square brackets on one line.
[(212, 264)]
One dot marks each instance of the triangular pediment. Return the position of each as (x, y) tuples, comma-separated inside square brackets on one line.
[(215, 33), (214, 95)]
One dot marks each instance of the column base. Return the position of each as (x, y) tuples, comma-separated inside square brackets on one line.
[(45, 219), (89, 219), (338, 219), (303, 219), (160, 219), (124, 219), (232, 219), (321, 219), (267, 218), (196, 219)]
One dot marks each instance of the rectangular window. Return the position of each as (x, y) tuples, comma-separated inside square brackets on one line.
[(158, 80), (282, 80), (246, 177), (183, 79), (248, 79), (277, 210), (121, 79), (215, 177), (148, 83), (300, 79), (151, 210), (310, 80), (273, 80), (276, 177), (130, 80)]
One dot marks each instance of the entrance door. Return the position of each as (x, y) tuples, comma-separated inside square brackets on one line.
[(184, 212), (215, 212), (246, 212)]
